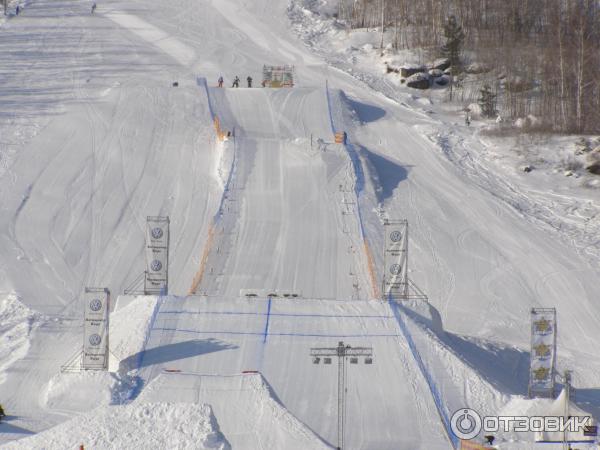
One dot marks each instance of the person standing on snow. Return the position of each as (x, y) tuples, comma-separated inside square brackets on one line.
[(236, 82), (220, 81), (18, 10), (249, 80), (93, 7)]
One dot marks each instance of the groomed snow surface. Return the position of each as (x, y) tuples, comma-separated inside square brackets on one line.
[(147, 425), (276, 238)]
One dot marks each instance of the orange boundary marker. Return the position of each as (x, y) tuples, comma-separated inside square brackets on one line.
[(220, 132), (200, 274), (371, 267), (470, 445)]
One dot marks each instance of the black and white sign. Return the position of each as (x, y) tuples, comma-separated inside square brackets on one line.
[(157, 255), (95, 328), (395, 277)]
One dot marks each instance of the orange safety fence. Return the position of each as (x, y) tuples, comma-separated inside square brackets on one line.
[(220, 133), (340, 138), (200, 274), (470, 445), (371, 267)]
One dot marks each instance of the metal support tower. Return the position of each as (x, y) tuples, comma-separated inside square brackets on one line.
[(341, 352)]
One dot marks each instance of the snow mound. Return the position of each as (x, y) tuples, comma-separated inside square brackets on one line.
[(148, 426), (129, 327), (81, 391), (520, 406), (16, 324), (245, 406)]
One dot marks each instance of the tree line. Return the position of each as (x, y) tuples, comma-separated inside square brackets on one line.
[(541, 57)]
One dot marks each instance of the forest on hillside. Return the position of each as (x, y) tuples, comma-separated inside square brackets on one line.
[(540, 57)]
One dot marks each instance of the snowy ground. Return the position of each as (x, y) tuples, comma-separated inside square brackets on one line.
[(148, 425), (94, 137), (567, 204)]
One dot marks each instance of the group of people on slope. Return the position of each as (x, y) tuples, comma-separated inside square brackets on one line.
[(236, 82)]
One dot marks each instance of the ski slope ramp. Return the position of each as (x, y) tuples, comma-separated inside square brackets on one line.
[(388, 403), (288, 220), (245, 408)]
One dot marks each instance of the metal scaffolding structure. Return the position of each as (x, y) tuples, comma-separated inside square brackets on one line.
[(341, 352)]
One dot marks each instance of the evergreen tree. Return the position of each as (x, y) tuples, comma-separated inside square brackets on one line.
[(487, 101), (455, 37)]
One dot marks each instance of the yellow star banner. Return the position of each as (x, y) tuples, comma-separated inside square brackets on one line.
[(542, 350), (541, 373), (543, 326)]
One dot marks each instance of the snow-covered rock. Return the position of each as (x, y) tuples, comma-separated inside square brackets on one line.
[(419, 81), (440, 64), (593, 161), (436, 73), (408, 70), (477, 68)]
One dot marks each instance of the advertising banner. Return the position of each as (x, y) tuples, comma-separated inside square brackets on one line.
[(95, 328), (395, 277), (157, 256), (543, 352)]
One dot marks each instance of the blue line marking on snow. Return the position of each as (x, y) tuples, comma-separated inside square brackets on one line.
[(251, 333), (437, 398), (267, 322), (299, 315), (329, 106)]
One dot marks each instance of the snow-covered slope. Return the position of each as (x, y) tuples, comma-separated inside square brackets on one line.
[(285, 198), (149, 425), (248, 412), (94, 137), (389, 404)]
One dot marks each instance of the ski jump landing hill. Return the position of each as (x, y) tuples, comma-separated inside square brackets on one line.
[(288, 225)]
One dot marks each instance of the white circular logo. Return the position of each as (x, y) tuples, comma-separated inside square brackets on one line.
[(96, 304), (395, 269), (395, 236), (95, 339), (156, 265), (157, 232), (465, 423)]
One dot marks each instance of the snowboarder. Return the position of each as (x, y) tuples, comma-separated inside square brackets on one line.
[(236, 82), (220, 81), (249, 80), (93, 7), (18, 10)]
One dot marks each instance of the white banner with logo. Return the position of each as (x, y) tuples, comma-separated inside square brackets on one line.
[(395, 277), (95, 328), (157, 255), (543, 352)]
